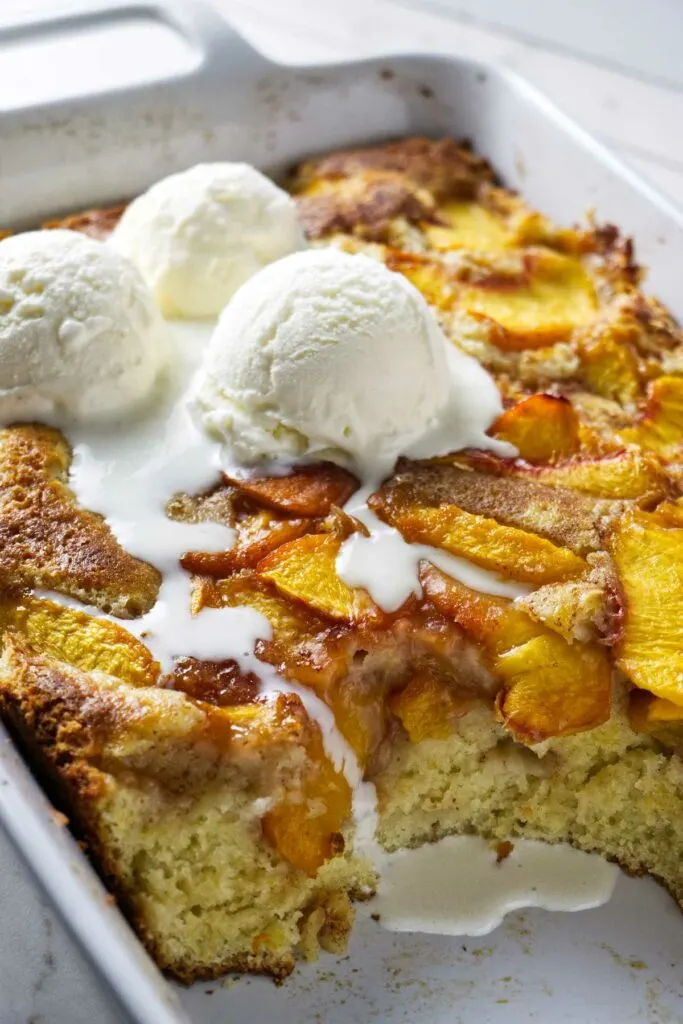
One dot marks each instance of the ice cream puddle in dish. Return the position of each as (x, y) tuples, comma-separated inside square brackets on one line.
[(462, 886), (321, 355)]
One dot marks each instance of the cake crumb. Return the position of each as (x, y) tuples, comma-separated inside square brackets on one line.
[(503, 850)]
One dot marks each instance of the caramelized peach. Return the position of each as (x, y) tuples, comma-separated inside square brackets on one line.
[(543, 428), (79, 639), (628, 474), (548, 687), (305, 827), (661, 424), (609, 364), (258, 534), (504, 549), (309, 491), (305, 570), (648, 552), (657, 717), (427, 707), (556, 297)]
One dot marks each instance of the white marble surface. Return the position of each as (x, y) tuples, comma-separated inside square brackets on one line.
[(614, 64), (44, 978)]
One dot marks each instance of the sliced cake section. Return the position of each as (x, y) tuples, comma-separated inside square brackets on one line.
[(190, 810)]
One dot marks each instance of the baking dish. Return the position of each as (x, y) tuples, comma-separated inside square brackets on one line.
[(226, 101)]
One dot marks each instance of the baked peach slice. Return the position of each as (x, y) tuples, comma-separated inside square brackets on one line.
[(360, 714), (257, 534), (670, 513), (532, 297), (437, 283), (552, 688), (308, 491), (305, 570), (547, 686), (648, 553), (656, 717), (553, 298), (560, 515), (304, 646), (498, 547), (309, 649), (305, 826), (427, 707), (660, 427), (543, 428), (609, 362), (627, 474), (76, 638), (505, 550), (469, 225)]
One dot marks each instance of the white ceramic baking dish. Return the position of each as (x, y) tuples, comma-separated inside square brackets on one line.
[(190, 89)]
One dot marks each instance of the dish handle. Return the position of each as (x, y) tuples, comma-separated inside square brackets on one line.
[(220, 52)]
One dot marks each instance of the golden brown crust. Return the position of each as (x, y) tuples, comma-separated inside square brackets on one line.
[(47, 540), (443, 166), (43, 702), (366, 207)]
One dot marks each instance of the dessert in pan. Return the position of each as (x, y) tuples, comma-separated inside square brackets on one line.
[(334, 522)]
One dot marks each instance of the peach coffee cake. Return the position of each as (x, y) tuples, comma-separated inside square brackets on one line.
[(210, 803)]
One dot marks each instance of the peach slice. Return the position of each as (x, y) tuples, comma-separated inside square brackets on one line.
[(78, 639), (361, 716), (310, 491), (308, 649), (503, 549), (469, 226), (479, 615), (657, 717), (543, 428), (433, 279), (305, 570), (305, 827), (648, 553), (305, 646), (625, 475), (552, 689), (257, 535), (258, 725), (305, 824), (660, 428), (548, 687), (628, 475), (556, 297), (427, 708), (609, 364), (568, 519), (670, 513)]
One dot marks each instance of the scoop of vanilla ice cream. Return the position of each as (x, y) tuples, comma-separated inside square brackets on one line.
[(198, 235), (322, 353), (80, 336)]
